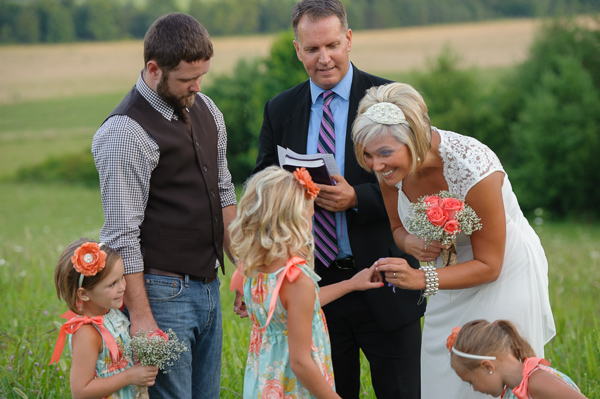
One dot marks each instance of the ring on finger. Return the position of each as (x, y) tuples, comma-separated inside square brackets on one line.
[(394, 274)]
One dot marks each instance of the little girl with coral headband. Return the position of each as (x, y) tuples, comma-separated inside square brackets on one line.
[(89, 278)]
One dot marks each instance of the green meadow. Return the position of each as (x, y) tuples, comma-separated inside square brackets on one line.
[(38, 219)]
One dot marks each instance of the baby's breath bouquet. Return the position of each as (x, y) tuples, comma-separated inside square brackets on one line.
[(156, 348), (440, 218)]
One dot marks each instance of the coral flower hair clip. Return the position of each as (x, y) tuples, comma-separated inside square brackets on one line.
[(88, 260), (305, 180)]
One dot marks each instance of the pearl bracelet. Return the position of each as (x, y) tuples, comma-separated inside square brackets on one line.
[(431, 280)]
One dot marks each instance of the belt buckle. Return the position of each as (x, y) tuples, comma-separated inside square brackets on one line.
[(345, 263)]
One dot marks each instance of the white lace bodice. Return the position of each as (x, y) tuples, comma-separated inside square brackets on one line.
[(466, 160)]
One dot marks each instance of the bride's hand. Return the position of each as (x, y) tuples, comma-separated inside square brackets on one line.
[(416, 247), (398, 272)]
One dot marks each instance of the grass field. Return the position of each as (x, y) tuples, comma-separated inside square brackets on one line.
[(38, 220), (53, 98)]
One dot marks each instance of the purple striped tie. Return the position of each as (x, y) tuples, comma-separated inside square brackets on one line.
[(326, 249)]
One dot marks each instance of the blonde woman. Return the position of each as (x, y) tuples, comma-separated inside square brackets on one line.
[(501, 270)]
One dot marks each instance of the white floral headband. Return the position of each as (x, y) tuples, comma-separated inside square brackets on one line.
[(471, 356), (386, 114), (450, 345)]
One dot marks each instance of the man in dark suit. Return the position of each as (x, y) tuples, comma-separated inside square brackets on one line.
[(383, 323)]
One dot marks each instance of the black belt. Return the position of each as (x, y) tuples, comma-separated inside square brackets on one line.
[(157, 272), (344, 263)]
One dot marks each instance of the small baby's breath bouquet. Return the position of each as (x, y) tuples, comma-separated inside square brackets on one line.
[(440, 218), (156, 348)]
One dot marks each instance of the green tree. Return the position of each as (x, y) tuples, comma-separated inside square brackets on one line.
[(242, 95), (452, 94), (27, 29), (56, 22), (101, 23), (558, 142)]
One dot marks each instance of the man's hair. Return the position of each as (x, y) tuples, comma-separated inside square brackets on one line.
[(316, 10), (176, 37)]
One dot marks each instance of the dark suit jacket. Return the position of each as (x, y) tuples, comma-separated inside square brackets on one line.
[(285, 123)]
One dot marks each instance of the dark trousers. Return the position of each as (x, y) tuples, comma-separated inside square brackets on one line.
[(394, 356)]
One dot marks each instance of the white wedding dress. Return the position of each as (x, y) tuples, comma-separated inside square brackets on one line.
[(520, 294)]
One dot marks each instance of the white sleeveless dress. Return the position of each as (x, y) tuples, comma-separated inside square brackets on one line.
[(520, 294)]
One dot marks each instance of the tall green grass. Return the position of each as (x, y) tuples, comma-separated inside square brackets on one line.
[(38, 220), (30, 132)]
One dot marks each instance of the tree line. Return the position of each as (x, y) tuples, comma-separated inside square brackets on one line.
[(59, 21)]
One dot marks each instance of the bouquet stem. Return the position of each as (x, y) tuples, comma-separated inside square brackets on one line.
[(449, 255), (141, 392)]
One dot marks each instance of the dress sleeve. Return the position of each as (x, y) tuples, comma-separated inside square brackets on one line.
[(467, 161)]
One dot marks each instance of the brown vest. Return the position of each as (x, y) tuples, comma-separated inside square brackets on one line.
[(182, 231)]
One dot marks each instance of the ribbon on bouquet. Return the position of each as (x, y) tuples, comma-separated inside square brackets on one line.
[(73, 324)]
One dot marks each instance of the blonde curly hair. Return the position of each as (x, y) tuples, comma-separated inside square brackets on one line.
[(272, 221)]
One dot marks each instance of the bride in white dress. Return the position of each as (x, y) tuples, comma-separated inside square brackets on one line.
[(501, 270)]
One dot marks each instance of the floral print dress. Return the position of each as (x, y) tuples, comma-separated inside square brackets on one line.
[(118, 326), (268, 371)]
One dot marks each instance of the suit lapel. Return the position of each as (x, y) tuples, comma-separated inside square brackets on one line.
[(296, 129), (352, 170)]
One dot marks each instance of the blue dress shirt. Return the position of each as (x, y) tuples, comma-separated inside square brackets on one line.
[(339, 108)]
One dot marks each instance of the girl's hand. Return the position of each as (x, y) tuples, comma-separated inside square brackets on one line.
[(398, 272), (417, 248), (142, 375), (366, 279)]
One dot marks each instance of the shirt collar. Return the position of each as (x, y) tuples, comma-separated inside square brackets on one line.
[(342, 89), (154, 99)]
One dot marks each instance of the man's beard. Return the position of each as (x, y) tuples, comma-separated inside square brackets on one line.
[(185, 101)]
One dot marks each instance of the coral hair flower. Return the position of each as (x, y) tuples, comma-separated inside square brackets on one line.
[(312, 190), (89, 259), (452, 338)]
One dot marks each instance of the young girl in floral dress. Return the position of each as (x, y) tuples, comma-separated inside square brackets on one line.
[(89, 278), (497, 361), (272, 243)]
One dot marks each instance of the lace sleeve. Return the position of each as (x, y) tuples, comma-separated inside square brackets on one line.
[(466, 160)]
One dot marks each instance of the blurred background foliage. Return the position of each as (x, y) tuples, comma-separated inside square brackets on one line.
[(59, 21), (541, 117)]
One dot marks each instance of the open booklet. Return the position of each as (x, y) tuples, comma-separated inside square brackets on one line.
[(320, 166)]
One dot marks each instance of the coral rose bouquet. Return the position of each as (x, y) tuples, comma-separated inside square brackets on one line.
[(156, 348), (440, 218)]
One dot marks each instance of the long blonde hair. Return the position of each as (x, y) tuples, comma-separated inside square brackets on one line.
[(416, 135), (272, 221)]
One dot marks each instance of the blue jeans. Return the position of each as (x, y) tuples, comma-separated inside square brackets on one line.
[(192, 310)]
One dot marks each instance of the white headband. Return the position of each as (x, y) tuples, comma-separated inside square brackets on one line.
[(470, 356), (386, 114)]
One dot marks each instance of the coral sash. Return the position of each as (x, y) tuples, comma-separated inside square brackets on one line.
[(291, 271), (72, 325), (522, 391)]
